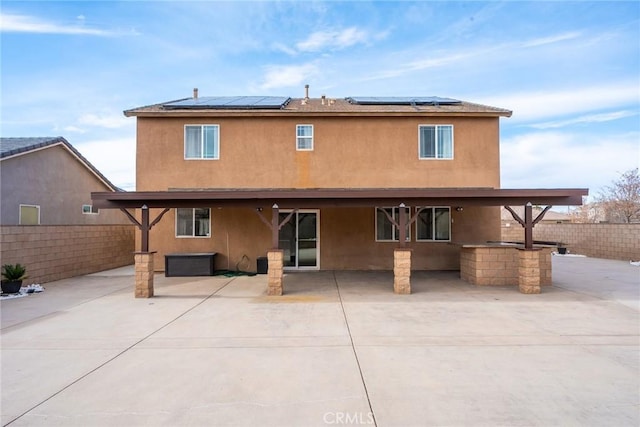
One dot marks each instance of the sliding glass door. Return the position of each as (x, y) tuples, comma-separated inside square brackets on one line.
[(299, 239)]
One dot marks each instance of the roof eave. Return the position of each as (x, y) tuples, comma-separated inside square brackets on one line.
[(294, 113)]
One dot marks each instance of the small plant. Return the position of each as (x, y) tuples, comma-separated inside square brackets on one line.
[(14, 272)]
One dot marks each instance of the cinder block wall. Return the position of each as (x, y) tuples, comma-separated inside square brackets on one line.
[(611, 241), (54, 252), (498, 266)]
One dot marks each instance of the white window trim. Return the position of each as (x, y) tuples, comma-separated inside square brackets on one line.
[(452, 142), (184, 142), (312, 138), (27, 206), (91, 211), (375, 228), (433, 240), (193, 214)]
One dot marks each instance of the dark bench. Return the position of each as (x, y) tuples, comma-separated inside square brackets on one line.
[(189, 264)]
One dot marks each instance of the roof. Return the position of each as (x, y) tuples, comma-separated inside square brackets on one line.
[(14, 147), (338, 197), (321, 107)]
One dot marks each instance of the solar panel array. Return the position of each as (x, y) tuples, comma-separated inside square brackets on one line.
[(402, 100), (231, 102)]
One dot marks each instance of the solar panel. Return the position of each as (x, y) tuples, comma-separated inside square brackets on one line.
[(402, 100), (231, 102)]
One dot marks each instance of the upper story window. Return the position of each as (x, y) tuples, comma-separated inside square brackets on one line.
[(29, 215), (202, 142), (435, 141), (434, 224), (304, 137), (385, 230), (193, 222)]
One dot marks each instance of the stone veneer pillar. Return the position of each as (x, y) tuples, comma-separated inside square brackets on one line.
[(529, 271), (402, 271), (275, 258), (144, 274)]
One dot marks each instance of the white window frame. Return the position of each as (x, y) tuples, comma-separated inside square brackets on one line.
[(433, 231), (202, 133), (295, 216), (27, 206), (193, 220), (90, 210), (298, 138), (395, 215), (436, 126)]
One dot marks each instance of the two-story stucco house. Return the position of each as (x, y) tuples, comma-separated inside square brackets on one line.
[(330, 183)]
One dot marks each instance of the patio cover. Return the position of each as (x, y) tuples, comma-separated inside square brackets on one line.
[(317, 198), (353, 197)]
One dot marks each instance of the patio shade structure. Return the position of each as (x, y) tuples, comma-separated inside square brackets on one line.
[(353, 197)]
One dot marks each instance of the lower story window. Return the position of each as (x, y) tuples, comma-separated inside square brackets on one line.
[(29, 215), (89, 209), (193, 222), (434, 224), (385, 230)]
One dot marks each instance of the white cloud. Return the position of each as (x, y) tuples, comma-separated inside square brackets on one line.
[(74, 129), (333, 40), (10, 23), (536, 105), (551, 39), (467, 57), (284, 48), (554, 159), (288, 75), (591, 118), (105, 121), (114, 158)]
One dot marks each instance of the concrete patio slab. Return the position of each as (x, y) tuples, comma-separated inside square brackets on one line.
[(339, 348)]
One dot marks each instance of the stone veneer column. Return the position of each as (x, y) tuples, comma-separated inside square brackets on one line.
[(529, 271), (402, 271), (144, 274), (275, 258)]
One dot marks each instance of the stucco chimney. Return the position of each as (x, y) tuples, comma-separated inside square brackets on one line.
[(323, 97), (306, 92), (195, 93)]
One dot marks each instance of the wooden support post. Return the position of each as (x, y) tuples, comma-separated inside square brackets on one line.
[(275, 225), (144, 228), (402, 225), (275, 230), (528, 222), (528, 226)]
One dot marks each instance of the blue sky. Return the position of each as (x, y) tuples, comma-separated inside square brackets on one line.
[(569, 70)]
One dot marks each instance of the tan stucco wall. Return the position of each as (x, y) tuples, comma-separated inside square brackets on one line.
[(57, 182), (349, 152), (347, 239)]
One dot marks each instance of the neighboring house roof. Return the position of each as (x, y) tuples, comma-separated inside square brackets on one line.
[(14, 147), (260, 106), (549, 216)]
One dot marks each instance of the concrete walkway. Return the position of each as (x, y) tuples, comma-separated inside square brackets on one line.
[(339, 348)]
